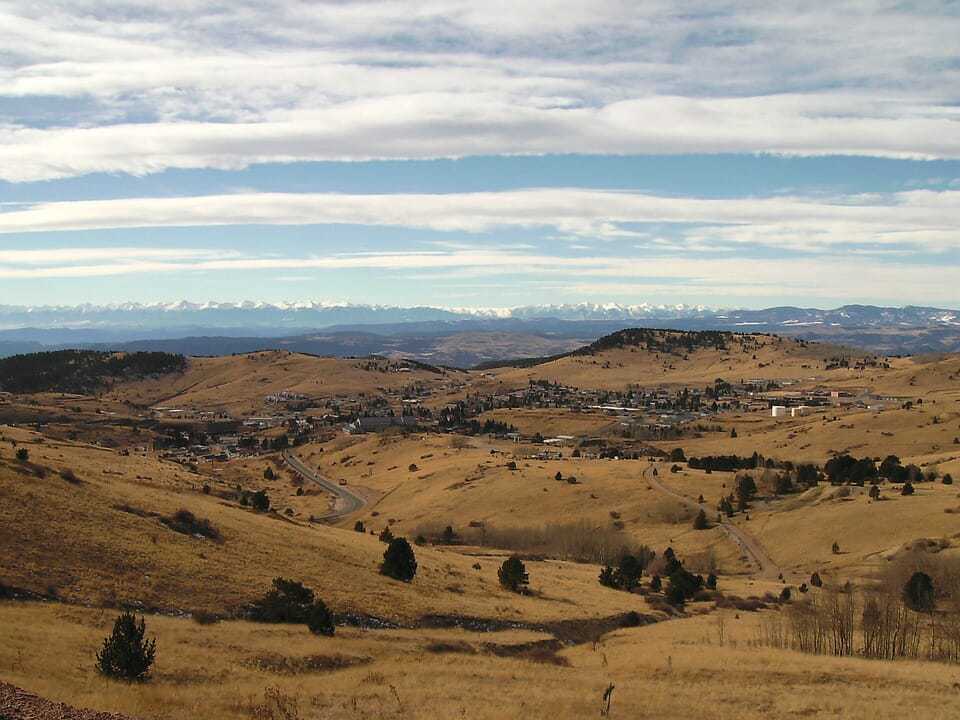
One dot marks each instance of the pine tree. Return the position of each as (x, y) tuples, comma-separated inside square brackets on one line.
[(127, 654), (918, 592), (320, 619), (399, 562), (513, 575)]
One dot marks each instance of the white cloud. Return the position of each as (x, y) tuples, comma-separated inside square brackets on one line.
[(622, 276), (922, 220), (145, 87)]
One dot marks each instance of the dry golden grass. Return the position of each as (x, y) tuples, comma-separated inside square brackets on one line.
[(458, 485), (668, 670), (550, 422), (772, 359), (800, 532), (73, 539), (239, 383)]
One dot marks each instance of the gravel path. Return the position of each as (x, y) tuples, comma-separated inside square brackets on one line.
[(17, 704)]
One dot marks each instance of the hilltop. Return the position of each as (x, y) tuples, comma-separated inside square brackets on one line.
[(647, 357)]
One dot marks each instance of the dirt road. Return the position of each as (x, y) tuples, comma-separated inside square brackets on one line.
[(766, 568)]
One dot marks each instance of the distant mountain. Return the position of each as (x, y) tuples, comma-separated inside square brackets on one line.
[(347, 329)]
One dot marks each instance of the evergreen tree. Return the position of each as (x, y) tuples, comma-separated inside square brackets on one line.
[(513, 575), (320, 619), (260, 501), (918, 592), (399, 562), (127, 654)]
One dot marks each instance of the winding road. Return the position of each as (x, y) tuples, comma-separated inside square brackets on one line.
[(345, 501), (748, 544)]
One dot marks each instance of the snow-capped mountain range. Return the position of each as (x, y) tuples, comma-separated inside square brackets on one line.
[(261, 318), (345, 328)]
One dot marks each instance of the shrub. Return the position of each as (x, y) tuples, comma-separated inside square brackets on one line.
[(412, 467), (386, 535), (184, 521), (449, 536), (23, 454), (320, 619), (701, 522), (785, 595), (127, 654), (268, 474), (712, 581), (359, 527), (399, 562), (947, 479), (260, 501), (835, 548), (907, 488), (70, 476), (513, 575), (288, 602), (677, 455), (874, 492), (655, 583), (608, 577), (918, 592), (559, 476), (815, 579)]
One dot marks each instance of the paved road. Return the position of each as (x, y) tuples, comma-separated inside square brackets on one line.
[(345, 500), (748, 544)]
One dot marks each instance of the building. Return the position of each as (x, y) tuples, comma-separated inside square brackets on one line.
[(778, 411)]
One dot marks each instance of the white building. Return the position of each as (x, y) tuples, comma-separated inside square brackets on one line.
[(778, 411)]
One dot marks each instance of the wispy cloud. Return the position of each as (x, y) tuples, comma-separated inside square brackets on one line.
[(619, 276), (920, 219)]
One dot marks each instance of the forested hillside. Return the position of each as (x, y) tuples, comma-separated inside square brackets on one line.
[(81, 371)]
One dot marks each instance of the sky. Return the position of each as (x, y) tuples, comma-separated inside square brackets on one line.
[(480, 154)]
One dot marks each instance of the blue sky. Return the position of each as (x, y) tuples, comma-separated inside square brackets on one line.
[(480, 155)]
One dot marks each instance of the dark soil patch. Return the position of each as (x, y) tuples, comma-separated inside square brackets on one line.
[(284, 665)]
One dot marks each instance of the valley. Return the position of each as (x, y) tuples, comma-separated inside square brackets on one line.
[(182, 494)]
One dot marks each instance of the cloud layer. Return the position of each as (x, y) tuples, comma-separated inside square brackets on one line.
[(138, 87), (918, 220)]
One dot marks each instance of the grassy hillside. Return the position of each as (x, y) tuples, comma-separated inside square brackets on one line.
[(100, 539), (459, 483), (240, 383), (664, 357)]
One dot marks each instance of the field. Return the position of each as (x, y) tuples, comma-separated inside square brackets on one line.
[(224, 671)]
